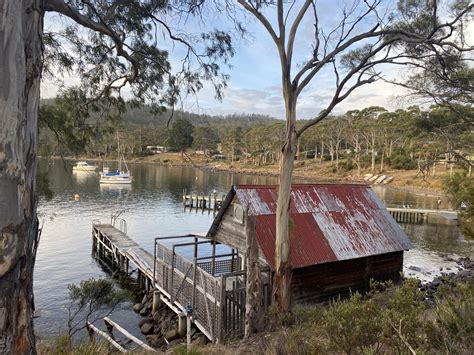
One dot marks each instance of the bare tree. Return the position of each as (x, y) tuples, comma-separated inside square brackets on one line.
[(368, 34)]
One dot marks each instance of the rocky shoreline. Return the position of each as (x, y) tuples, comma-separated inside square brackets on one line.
[(449, 279), (161, 327)]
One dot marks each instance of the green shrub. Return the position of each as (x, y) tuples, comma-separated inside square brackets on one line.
[(403, 316), (354, 325), (402, 161), (452, 328), (347, 165)]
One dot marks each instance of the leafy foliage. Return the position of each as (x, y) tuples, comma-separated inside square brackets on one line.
[(91, 300), (452, 330), (460, 189), (181, 134), (401, 160), (387, 319)]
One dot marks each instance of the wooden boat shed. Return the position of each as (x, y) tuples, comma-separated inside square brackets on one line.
[(341, 236)]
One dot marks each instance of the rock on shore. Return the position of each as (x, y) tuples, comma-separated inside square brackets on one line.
[(161, 328)]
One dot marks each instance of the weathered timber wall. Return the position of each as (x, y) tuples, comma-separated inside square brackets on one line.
[(324, 281), (230, 231)]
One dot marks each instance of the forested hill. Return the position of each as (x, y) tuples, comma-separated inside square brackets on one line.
[(144, 115)]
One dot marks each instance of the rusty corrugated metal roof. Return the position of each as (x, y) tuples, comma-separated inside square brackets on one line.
[(330, 222)]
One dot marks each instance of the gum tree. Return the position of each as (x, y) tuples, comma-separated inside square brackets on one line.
[(365, 37), (111, 46)]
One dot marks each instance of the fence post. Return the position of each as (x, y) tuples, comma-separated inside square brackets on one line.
[(222, 310), (172, 277), (213, 268), (194, 283)]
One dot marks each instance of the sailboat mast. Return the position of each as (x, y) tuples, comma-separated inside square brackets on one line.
[(119, 153)]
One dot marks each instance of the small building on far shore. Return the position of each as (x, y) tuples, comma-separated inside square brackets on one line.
[(157, 149), (341, 236)]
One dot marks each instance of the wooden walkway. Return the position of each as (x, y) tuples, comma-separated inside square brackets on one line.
[(122, 250)]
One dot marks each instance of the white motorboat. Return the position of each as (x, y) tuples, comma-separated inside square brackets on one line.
[(83, 166)]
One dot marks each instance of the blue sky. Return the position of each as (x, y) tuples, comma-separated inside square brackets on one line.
[(255, 84)]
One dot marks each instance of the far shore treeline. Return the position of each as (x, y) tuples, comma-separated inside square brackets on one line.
[(366, 139)]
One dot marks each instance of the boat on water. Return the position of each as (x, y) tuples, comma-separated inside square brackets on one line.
[(115, 177), (118, 176), (83, 166)]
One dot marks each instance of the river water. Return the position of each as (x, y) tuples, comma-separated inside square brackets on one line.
[(154, 208)]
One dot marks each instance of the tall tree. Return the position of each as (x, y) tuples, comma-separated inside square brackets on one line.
[(181, 135), (367, 35), (111, 45)]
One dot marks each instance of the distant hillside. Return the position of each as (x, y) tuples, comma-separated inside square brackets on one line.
[(144, 116)]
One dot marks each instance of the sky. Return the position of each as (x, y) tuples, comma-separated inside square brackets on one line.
[(255, 79)]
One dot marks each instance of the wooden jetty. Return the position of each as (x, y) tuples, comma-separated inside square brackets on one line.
[(116, 246), (417, 216), (201, 201), (209, 289)]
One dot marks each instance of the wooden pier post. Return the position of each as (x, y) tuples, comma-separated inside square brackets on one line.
[(181, 324), (188, 331), (156, 302)]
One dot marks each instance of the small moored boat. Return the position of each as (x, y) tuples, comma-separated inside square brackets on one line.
[(117, 176), (83, 166)]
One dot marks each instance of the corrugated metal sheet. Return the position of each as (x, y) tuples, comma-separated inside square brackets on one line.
[(330, 222)]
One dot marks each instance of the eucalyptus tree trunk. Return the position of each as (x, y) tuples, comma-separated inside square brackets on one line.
[(20, 68), (282, 283)]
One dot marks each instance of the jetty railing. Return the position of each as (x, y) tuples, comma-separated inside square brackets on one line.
[(213, 290)]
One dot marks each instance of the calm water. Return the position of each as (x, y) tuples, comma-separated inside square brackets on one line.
[(154, 208)]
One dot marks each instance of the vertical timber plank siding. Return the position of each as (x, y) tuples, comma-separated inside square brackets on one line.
[(230, 231), (21, 29), (324, 281)]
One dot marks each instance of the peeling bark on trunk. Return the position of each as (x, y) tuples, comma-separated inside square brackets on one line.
[(20, 69), (253, 299), (282, 282)]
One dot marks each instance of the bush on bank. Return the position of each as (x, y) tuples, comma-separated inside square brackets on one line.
[(389, 319)]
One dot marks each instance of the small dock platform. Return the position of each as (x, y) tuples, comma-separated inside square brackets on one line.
[(202, 201), (418, 216)]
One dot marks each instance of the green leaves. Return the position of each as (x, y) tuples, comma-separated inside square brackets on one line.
[(112, 45), (181, 134), (96, 292), (74, 123), (91, 300)]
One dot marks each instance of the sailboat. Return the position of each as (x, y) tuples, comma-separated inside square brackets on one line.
[(118, 176)]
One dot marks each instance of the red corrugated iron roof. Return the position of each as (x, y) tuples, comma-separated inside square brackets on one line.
[(330, 222)]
